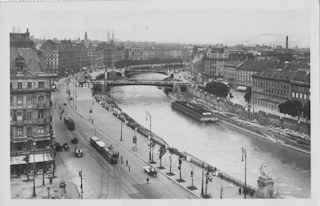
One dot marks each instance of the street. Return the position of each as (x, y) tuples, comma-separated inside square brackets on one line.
[(101, 179)]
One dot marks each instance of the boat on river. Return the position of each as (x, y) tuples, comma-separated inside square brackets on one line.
[(195, 111)]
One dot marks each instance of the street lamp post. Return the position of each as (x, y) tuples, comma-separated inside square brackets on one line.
[(34, 167), (121, 131), (48, 191), (81, 187), (149, 115), (43, 169), (244, 153), (202, 178)]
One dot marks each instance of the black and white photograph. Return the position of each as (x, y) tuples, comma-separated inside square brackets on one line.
[(161, 100)]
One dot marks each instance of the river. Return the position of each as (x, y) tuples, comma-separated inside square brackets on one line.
[(218, 145)]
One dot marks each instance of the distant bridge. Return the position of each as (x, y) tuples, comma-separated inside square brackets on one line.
[(144, 82)]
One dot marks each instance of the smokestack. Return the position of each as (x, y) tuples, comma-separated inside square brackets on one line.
[(286, 44)]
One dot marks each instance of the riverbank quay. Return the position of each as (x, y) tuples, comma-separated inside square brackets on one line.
[(105, 121), (192, 160), (251, 127)]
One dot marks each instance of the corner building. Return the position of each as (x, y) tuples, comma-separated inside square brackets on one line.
[(30, 106)]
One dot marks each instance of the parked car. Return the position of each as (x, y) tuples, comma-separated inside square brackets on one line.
[(57, 147), (74, 141)]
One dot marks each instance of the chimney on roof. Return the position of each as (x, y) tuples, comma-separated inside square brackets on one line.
[(286, 44)]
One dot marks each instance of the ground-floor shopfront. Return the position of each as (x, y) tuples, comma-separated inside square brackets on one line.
[(37, 162)]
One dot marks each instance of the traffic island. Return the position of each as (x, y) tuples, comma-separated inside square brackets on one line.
[(170, 174), (206, 196), (153, 162), (192, 188), (180, 180), (161, 168)]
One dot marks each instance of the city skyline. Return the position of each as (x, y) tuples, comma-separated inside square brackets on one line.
[(185, 25)]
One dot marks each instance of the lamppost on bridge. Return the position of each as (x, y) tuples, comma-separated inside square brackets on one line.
[(244, 153), (179, 167)]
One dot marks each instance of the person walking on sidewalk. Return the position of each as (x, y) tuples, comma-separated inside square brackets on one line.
[(147, 180), (240, 191)]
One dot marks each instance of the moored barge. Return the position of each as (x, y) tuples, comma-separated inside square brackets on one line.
[(195, 111)]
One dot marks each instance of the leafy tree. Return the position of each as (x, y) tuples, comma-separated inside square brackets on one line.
[(27, 160), (292, 108), (306, 110), (162, 151), (247, 96), (217, 88)]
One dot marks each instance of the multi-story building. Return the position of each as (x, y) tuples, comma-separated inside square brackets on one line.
[(136, 52), (272, 87), (300, 86), (248, 68), (64, 57), (231, 73), (30, 106), (214, 61)]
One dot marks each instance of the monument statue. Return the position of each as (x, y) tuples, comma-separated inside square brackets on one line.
[(263, 170)]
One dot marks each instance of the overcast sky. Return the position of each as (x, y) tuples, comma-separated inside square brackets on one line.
[(194, 23)]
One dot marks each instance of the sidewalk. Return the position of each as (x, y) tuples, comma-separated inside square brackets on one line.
[(22, 189), (103, 117)]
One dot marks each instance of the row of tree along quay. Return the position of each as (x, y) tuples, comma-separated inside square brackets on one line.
[(164, 148)]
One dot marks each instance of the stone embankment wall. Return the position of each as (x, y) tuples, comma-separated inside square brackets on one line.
[(223, 105)]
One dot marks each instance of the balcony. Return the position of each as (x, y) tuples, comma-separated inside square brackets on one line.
[(41, 106), (41, 121), (13, 123), (20, 122)]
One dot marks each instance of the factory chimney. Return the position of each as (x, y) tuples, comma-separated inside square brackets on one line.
[(286, 44)]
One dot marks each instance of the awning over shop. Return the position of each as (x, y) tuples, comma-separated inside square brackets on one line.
[(241, 88), (18, 160)]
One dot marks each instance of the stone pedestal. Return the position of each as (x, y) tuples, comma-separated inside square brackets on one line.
[(265, 185)]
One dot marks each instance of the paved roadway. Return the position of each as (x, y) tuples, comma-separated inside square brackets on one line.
[(101, 179)]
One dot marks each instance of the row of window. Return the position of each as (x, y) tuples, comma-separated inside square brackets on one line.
[(240, 77), (29, 132), (27, 86), (245, 72), (270, 90), (299, 88), (271, 84), (29, 100), (300, 96), (24, 115), (265, 104)]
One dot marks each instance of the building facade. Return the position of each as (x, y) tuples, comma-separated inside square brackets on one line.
[(30, 107), (213, 63), (271, 88), (300, 87)]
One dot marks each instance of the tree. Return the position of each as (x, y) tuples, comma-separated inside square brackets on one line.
[(247, 96), (27, 160), (306, 110), (217, 88), (162, 151), (292, 108)]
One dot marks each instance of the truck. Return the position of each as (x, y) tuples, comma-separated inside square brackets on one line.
[(69, 122)]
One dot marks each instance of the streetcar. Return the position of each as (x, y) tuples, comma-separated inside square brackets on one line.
[(110, 154)]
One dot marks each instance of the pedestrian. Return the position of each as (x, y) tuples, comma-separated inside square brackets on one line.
[(240, 191), (92, 103), (92, 121), (147, 180), (50, 181), (129, 168), (127, 162), (121, 159), (54, 154)]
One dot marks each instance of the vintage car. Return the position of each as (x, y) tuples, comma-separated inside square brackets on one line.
[(57, 147), (74, 141), (66, 146), (150, 170)]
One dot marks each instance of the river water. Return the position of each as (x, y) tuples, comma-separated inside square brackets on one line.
[(218, 145)]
